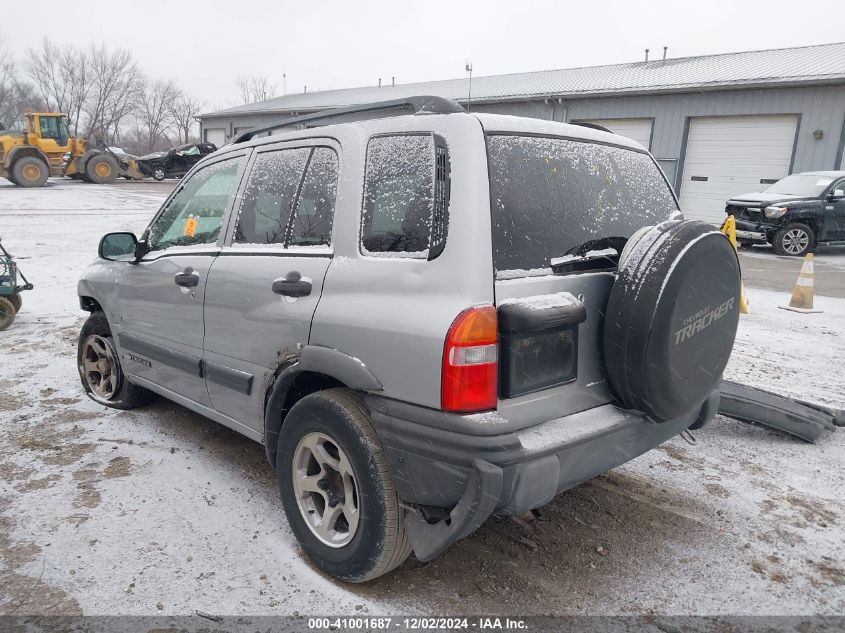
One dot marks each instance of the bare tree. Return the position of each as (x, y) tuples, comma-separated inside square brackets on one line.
[(154, 110), (252, 89), (8, 87), (16, 94), (115, 84), (183, 113), (62, 77)]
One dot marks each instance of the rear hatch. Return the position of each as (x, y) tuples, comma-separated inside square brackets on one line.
[(562, 211)]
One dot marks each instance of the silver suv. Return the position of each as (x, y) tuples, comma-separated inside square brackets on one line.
[(425, 316)]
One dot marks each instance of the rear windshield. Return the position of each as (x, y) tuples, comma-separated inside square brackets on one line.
[(553, 197)]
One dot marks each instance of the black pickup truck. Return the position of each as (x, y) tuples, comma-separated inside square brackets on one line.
[(794, 214)]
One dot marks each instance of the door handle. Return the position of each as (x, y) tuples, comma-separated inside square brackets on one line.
[(187, 278), (292, 285)]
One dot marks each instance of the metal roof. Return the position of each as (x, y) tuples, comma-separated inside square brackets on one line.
[(824, 63)]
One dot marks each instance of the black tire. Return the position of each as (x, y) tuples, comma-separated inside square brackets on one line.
[(16, 300), (159, 174), (101, 169), (747, 245), (30, 171), (125, 395), (794, 240), (380, 542), (671, 319), (7, 313)]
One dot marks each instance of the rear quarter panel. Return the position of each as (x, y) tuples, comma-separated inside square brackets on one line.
[(393, 313)]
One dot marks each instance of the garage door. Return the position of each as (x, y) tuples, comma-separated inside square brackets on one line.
[(216, 136), (638, 130), (728, 156)]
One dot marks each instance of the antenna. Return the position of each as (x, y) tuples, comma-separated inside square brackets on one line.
[(665, 48), (646, 54), (379, 82), (469, 89), (284, 84)]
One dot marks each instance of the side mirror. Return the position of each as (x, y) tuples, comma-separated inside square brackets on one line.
[(119, 247), (837, 194)]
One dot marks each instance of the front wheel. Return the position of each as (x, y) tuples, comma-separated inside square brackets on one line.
[(793, 239), (99, 367), (336, 488)]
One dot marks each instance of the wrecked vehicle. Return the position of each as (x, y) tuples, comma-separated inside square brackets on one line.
[(794, 215), (425, 318), (176, 162)]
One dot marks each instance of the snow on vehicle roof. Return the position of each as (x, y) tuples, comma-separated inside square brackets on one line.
[(505, 123), (829, 174), (495, 123)]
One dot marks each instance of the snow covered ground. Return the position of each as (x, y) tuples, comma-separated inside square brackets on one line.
[(161, 511)]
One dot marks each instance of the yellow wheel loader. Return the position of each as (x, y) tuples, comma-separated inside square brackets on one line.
[(46, 149)]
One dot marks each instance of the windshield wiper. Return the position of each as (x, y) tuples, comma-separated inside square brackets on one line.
[(589, 262), (590, 256)]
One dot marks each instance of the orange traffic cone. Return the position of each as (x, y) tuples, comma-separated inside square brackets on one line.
[(802, 293)]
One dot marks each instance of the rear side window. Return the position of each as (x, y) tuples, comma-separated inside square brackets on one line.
[(314, 213), (553, 197), (289, 198), (269, 196), (405, 196)]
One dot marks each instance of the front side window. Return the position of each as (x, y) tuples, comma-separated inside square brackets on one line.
[(553, 197), (53, 128), (399, 195), (195, 214)]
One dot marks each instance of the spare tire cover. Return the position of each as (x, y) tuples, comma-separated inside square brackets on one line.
[(671, 319)]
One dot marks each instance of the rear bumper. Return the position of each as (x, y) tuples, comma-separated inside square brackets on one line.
[(476, 474)]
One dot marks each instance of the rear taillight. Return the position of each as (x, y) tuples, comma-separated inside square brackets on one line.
[(470, 362)]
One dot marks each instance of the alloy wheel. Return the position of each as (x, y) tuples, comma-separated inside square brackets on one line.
[(100, 367), (795, 241), (326, 490)]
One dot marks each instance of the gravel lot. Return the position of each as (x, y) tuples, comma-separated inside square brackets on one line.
[(160, 511)]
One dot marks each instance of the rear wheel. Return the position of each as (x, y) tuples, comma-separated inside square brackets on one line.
[(16, 301), (794, 239), (30, 171), (159, 174), (336, 488), (101, 169), (7, 313), (99, 367)]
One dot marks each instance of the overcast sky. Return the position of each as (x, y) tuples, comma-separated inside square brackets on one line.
[(205, 44)]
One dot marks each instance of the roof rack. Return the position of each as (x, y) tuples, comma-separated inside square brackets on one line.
[(594, 126), (419, 105)]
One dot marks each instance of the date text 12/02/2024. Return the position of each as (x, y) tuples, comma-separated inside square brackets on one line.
[(416, 624)]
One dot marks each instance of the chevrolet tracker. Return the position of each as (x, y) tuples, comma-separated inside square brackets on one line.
[(425, 316)]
